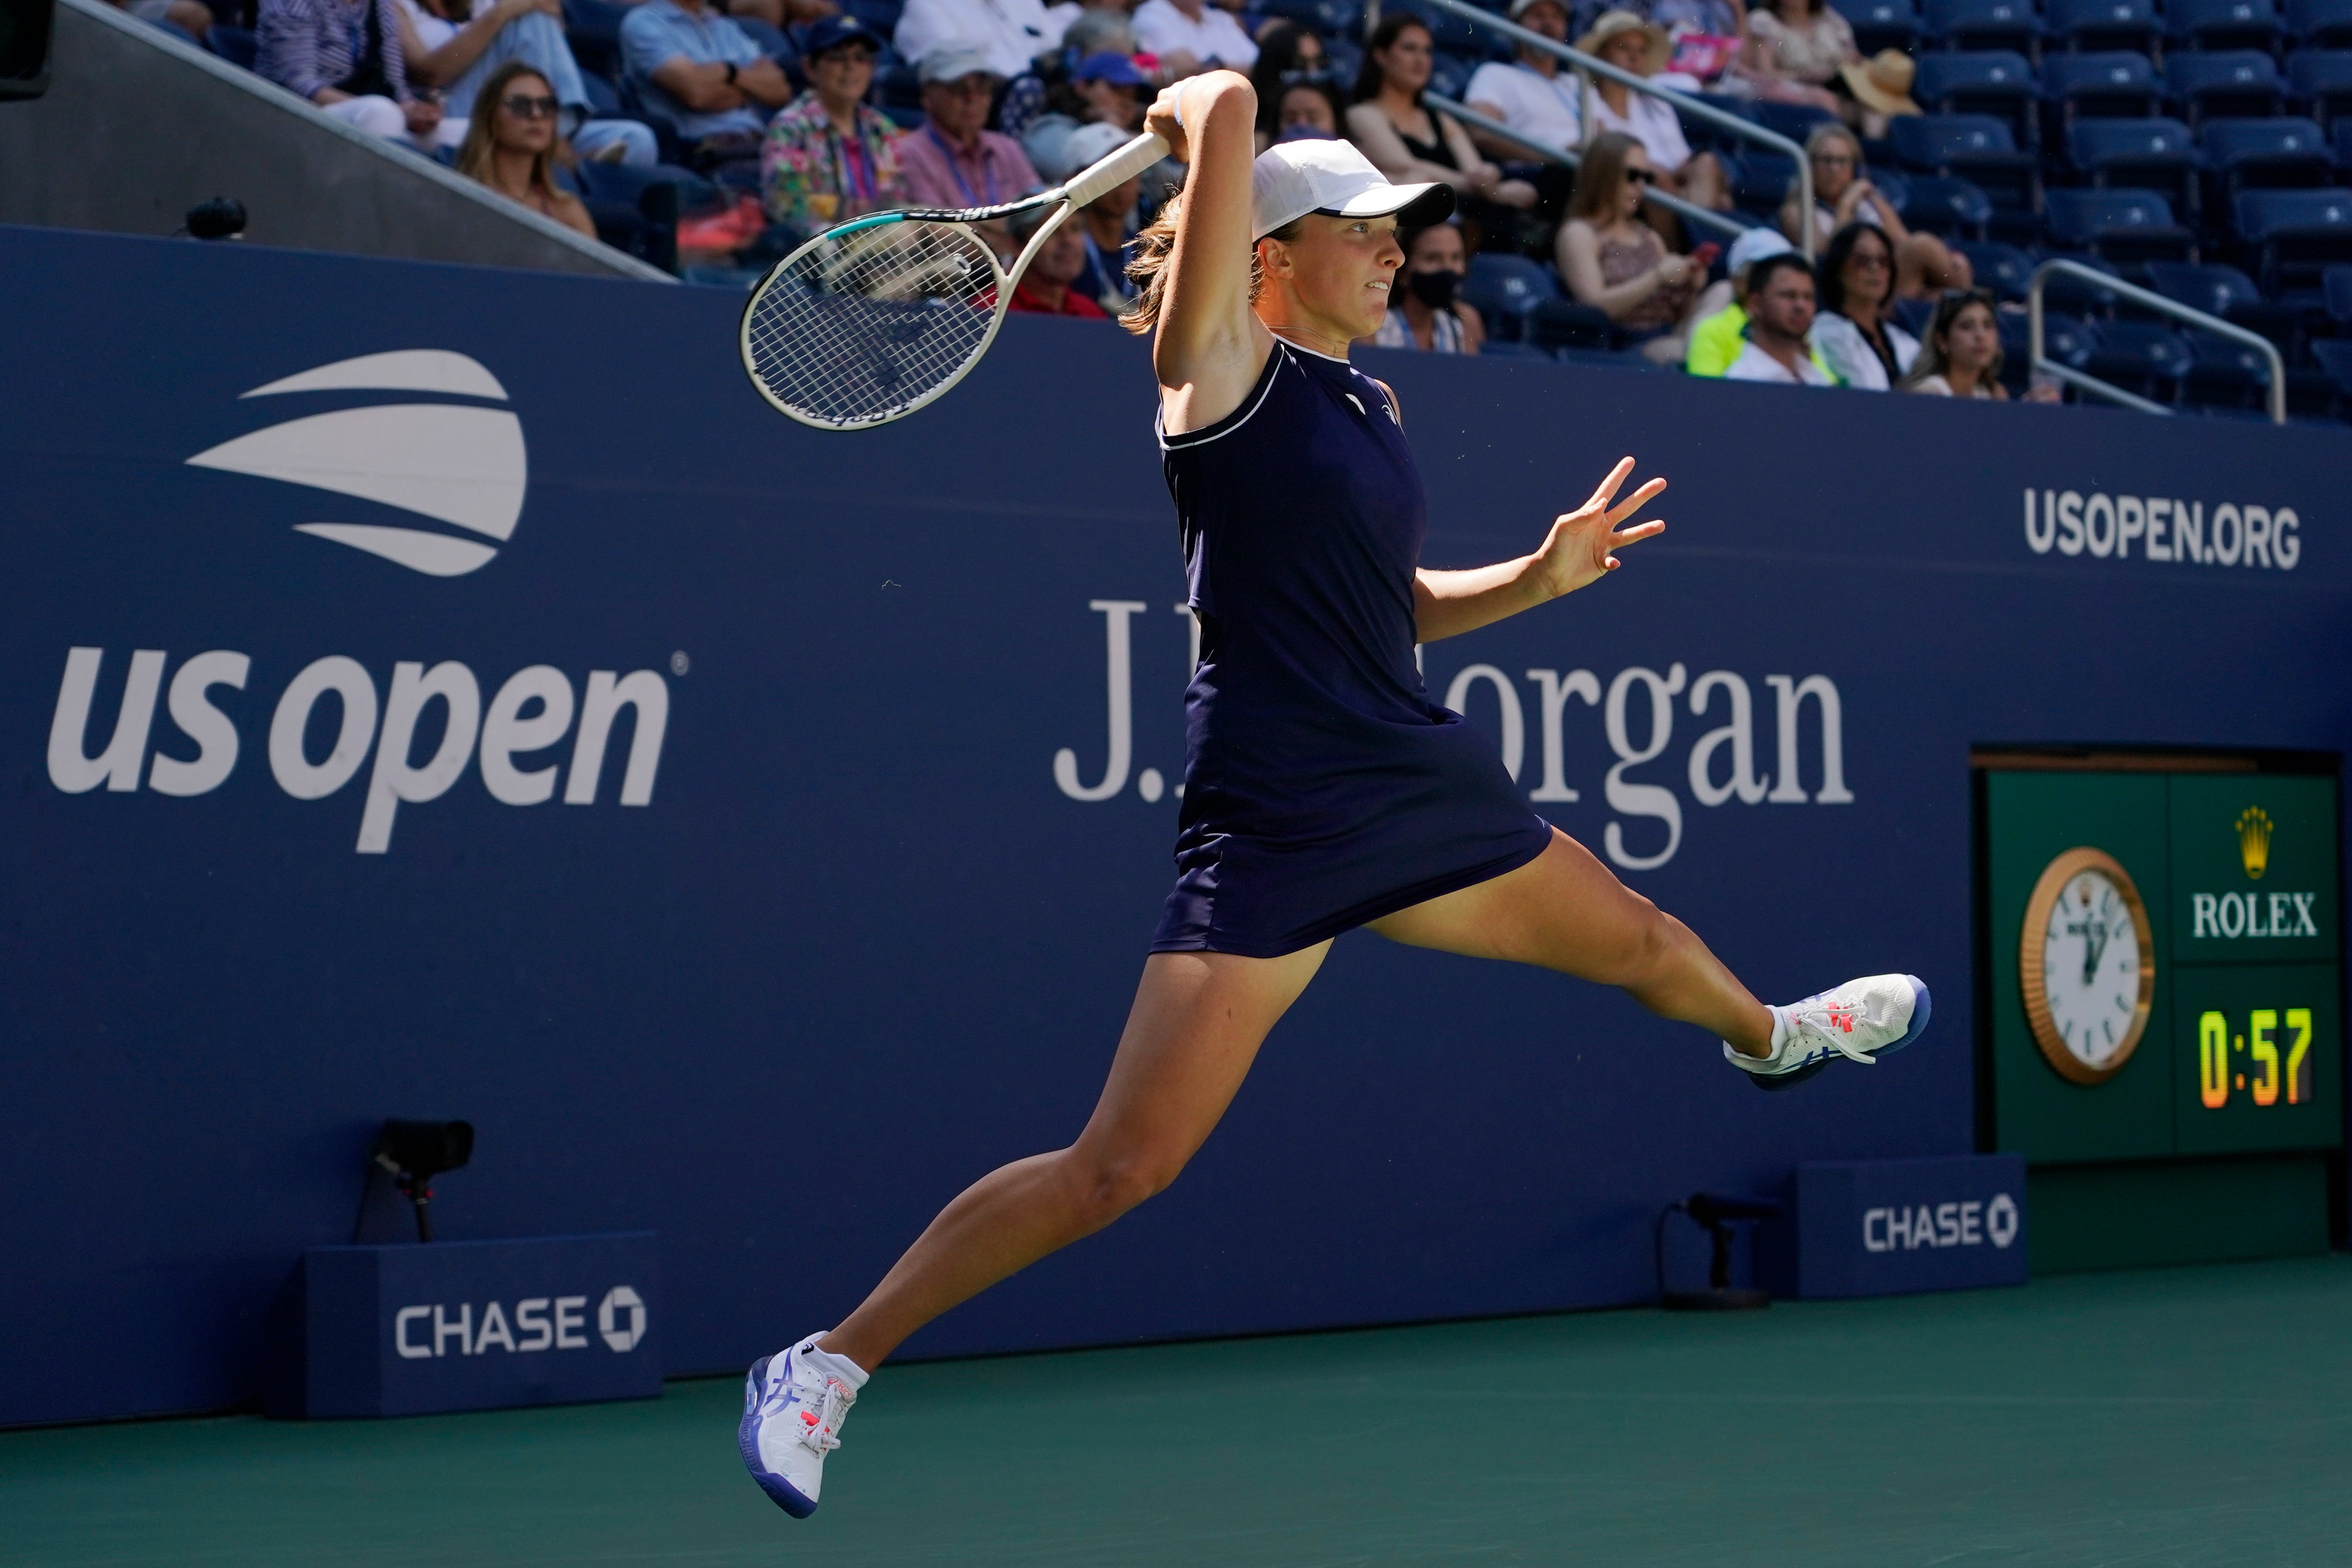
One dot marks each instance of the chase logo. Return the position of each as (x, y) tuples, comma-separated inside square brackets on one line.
[(453, 463)]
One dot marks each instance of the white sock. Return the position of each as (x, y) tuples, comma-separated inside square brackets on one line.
[(1779, 1030), (834, 1364)]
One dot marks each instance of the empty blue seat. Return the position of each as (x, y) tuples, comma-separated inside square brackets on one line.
[(2229, 82), (1985, 25), (1556, 324), (1761, 182), (2142, 357), (1977, 147), (2323, 24), (2065, 292), (2296, 235), (2117, 83), (1881, 23), (2225, 24), (1983, 81), (2322, 79), (2336, 358), (2344, 143), (1503, 289), (234, 45), (1946, 205), (2151, 153), (2069, 340), (2267, 152), (1794, 120), (2003, 269), (2336, 290), (2107, 24), (2122, 226), (2211, 288), (593, 28)]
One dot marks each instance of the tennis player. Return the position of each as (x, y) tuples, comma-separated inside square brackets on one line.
[(1323, 789)]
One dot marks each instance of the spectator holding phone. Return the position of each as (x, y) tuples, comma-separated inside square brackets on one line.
[(1423, 312), (1860, 345), (1615, 262)]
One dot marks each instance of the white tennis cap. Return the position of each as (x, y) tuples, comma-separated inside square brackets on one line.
[(1292, 179)]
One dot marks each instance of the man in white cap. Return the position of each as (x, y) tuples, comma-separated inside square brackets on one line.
[(1531, 94), (1718, 335), (954, 160)]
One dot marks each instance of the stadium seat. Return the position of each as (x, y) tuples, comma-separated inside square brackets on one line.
[(2003, 269), (593, 28), (2246, 153), (772, 40), (1994, 25), (237, 45), (2116, 85), (1761, 182), (2335, 294), (2107, 25), (2231, 82), (2343, 143), (2295, 235), (1976, 146), (1503, 289), (2322, 79), (2069, 340), (603, 97), (2320, 24), (1556, 324), (1881, 24), (2119, 226), (2334, 356), (2225, 24), (2063, 292), (2224, 374), (1952, 207), (2141, 357), (2211, 288), (1794, 120), (1991, 81), (2150, 153), (882, 15)]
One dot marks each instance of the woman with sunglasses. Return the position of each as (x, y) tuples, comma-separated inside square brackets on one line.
[(512, 143), (455, 46), (1860, 346), (1615, 262)]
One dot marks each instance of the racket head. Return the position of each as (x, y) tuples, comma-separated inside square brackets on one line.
[(871, 321)]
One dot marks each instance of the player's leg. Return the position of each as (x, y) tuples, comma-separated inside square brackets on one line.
[(1565, 911), (1194, 1029)]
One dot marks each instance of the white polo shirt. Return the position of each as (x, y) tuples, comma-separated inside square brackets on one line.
[(1162, 29), (1543, 108), (1755, 364)]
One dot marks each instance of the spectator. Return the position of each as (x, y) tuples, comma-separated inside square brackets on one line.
[(1423, 312), (1709, 37), (1719, 319), (1111, 91), (1615, 262), (344, 55), (1631, 43), (513, 140), (1962, 357), (1191, 35), (1008, 34), (1046, 290), (1796, 48), (1861, 347), (704, 74), (782, 14), (1881, 85), (188, 16), (1105, 227), (1407, 143), (828, 157), (954, 161), (1532, 95), (1289, 55), (1780, 325), (1842, 193), (448, 45), (1309, 110)]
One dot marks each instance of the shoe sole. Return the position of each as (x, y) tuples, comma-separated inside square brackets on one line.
[(1921, 1011), (747, 1438)]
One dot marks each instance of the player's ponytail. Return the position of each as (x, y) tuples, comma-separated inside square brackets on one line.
[(1153, 247)]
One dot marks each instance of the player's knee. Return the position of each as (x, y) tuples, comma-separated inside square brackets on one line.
[(1111, 1186)]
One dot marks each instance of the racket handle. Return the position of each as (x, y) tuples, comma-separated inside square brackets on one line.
[(1120, 168)]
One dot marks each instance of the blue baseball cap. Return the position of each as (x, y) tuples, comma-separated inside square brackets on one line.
[(1117, 69), (824, 36)]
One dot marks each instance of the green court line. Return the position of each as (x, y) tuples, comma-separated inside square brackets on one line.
[(2192, 1416)]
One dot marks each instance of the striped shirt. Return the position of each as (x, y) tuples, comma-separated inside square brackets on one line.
[(304, 46)]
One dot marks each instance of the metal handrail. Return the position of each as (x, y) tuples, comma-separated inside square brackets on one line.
[(1683, 103), (1690, 210), (2147, 300)]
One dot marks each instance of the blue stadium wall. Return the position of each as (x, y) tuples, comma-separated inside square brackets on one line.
[(861, 939)]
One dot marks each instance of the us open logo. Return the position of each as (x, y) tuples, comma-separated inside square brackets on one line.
[(454, 463)]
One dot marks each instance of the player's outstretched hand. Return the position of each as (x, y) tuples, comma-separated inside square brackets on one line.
[(1579, 548)]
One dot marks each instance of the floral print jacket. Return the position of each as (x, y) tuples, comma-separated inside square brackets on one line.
[(813, 180)]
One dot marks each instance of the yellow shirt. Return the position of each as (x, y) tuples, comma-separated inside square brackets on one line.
[(1716, 341)]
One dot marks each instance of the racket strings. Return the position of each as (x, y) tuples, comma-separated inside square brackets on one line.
[(855, 329)]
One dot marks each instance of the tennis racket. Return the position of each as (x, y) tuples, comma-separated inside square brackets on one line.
[(878, 316)]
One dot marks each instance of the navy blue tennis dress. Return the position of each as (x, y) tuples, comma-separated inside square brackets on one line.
[(1322, 787)]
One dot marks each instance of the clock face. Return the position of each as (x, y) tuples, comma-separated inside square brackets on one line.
[(2088, 966)]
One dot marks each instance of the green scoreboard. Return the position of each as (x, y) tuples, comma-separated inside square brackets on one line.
[(2162, 1029)]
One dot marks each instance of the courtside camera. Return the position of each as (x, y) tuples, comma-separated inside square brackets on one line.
[(223, 217), (416, 1152)]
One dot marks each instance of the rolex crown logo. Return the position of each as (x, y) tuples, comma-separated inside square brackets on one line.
[(2254, 840)]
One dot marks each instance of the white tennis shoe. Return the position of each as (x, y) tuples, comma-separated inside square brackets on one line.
[(794, 1405), (1861, 1021)]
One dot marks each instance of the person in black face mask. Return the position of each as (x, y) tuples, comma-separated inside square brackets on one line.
[(1423, 312)]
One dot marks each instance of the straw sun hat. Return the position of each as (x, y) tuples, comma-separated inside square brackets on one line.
[(1612, 22), (1883, 81)]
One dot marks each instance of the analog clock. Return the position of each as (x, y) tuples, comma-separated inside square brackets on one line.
[(2086, 959)]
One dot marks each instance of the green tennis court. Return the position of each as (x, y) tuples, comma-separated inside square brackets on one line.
[(2189, 1415)]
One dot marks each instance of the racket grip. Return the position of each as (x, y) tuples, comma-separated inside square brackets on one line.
[(1120, 168)]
